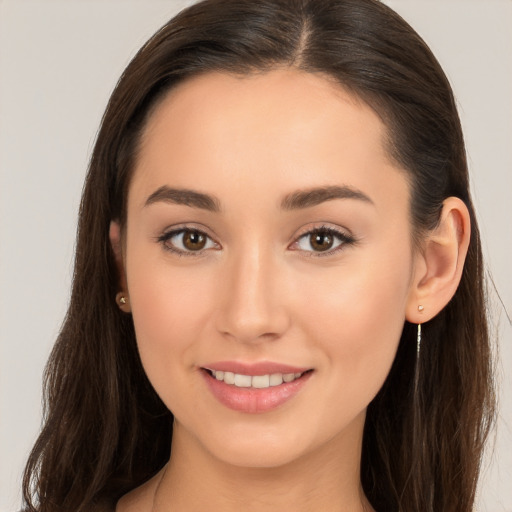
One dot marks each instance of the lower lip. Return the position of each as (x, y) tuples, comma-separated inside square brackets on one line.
[(252, 400)]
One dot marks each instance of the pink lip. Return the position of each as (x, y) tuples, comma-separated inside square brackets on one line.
[(251, 400), (261, 368)]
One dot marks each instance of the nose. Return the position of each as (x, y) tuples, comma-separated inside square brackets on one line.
[(251, 306)]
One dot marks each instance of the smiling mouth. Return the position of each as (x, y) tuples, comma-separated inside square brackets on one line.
[(254, 391), (255, 381)]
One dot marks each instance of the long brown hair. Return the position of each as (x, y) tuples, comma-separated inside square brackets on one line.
[(106, 431)]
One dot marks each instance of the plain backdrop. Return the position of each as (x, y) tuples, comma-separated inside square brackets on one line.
[(59, 61)]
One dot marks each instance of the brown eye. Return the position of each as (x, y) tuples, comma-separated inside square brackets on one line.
[(321, 241), (194, 240), (187, 241)]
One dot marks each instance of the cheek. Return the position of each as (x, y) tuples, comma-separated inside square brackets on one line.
[(170, 308), (357, 325)]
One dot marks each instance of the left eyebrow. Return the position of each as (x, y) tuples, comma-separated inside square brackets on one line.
[(315, 196), (184, 196)]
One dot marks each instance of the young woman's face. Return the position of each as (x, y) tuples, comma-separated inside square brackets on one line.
[(267, 244)]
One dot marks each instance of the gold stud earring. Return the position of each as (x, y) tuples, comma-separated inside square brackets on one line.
[(121, 299)]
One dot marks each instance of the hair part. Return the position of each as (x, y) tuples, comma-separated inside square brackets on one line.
[(106, 431)]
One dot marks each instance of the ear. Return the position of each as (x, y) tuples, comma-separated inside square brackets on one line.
[(438, 267), (117, 248)]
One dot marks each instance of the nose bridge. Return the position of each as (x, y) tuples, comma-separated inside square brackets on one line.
[(252, 308)]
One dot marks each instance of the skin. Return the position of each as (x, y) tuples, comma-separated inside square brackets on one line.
[(259, 291)]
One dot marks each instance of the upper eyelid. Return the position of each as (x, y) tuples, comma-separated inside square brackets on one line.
[(324, 227), (303, 231), (179, 228), (174, 232)]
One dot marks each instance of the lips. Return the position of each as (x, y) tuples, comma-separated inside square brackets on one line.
[(254, 388), (260, 368)]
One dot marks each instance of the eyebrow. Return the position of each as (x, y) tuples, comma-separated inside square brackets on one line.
[(184, 196), (294, 201), (314, 196)]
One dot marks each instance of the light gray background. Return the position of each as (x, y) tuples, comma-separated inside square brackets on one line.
[(59, 61)]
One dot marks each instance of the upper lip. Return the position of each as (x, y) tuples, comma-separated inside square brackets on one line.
[(259, 368)]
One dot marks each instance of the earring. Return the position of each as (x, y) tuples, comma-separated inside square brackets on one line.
[(417, 365), (421, 308), (121, 299)]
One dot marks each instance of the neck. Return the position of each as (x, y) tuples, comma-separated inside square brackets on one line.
[(326, 479)]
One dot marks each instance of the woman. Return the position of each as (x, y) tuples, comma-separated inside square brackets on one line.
[(278, 298)]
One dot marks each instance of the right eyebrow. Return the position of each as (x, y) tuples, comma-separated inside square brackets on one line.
[(184, 196), (314, 196)]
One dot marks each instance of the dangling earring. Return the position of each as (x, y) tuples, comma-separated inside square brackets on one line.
[(418, 337), (418, 348)]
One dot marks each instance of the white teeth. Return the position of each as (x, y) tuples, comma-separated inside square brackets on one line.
[(276, 379), (261, 381), (243, 381), (229, 378), (254, 381)]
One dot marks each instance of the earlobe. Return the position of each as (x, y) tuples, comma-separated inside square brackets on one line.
[(438, 269), (117, 248)]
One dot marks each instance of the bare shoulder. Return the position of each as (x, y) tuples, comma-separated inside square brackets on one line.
[(141, 498)]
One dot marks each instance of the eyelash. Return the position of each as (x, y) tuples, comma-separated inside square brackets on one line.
[(343, 238)]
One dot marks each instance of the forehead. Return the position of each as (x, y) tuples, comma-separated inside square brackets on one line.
[(274, 103), (288, 127)]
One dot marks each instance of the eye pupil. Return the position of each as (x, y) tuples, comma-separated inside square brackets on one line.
[(321, 241), (193, 240)]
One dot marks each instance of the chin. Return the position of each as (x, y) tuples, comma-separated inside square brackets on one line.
[(263, 445), (259, 455)]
